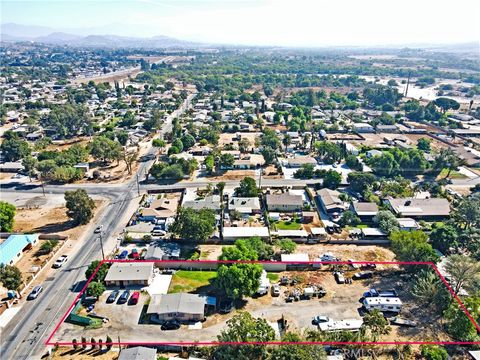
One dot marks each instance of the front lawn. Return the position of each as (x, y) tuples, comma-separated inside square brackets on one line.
[(288, 225), (189, 281), (453, 175), (273, 277)]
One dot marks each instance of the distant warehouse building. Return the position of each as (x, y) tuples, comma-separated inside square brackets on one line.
[(14, 246)]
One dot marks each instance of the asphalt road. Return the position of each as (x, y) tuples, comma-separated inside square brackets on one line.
[(25, 335)]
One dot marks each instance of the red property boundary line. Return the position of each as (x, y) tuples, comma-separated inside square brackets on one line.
[(216, 343)]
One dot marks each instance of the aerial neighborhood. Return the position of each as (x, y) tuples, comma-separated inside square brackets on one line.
[(157, 200)]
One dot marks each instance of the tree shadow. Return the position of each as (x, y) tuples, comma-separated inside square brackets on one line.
[(55, 227)]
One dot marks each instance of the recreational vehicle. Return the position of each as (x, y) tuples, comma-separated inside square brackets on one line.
[(392, 304), (341, 325)]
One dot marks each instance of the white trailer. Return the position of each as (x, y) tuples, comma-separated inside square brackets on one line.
[(387, 304), (264, 284), (341, 325)]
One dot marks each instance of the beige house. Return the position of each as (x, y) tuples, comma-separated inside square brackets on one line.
[(129, 274)]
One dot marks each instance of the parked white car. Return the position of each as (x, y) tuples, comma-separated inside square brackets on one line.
[(60, 261)]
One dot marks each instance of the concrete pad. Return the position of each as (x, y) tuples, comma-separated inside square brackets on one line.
[(159, 285)]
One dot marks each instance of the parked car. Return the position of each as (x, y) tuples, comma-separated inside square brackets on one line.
[(113, 296), (124, 297), (60, 261), (328, 257), (368, 266), (134, 254), (171, 325), (363, 275), (284, 280), (339, 278), (226, 306), (98, 229), (320, 319), (35, 292), (275, 290), (134, 298), (89, 300), (123, 255)]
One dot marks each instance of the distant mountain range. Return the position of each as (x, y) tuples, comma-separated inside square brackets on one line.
[(11, 32)]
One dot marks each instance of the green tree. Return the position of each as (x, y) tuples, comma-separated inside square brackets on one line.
[(467, 213), (445, 238), (268, 155), (430, 290), (48, 246), (7, 216), (360, 182), (332, 179), (386, 221), (13, 148), (106, 150), (10, 277), (80, 206), (239, 280), (447, 159), (328, 151), (68, 120), (95, 289), (287, 246), (226, 160), (247, 188), (187, 141), (209, 163), (463, 271), (100, 274), (412, 246), (349, 218), (424, 144), (196, 225), (434, 352), (297, 351), (376, 323), (458, 324), (159, 144), (243, 327), (122, 137), (446, 104)]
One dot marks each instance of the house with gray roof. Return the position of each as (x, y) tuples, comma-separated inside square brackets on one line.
[(138, 353), (285, 202), (129, 274), (180, 306), (209, 202), (330, 201), (432, 208), (245, 205)]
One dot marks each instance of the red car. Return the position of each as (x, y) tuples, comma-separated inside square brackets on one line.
[(134, 298), (134, 254)]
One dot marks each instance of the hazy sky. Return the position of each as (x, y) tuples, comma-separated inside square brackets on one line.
[(261, 22)]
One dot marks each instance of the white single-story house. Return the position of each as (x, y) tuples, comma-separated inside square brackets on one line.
[(129, 273)]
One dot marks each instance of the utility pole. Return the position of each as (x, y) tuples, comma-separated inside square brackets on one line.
[(138, 186), (101, 244), (408, 83)]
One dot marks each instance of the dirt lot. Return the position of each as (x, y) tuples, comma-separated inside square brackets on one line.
[(342, 301), (232, 175), (48, 220)]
